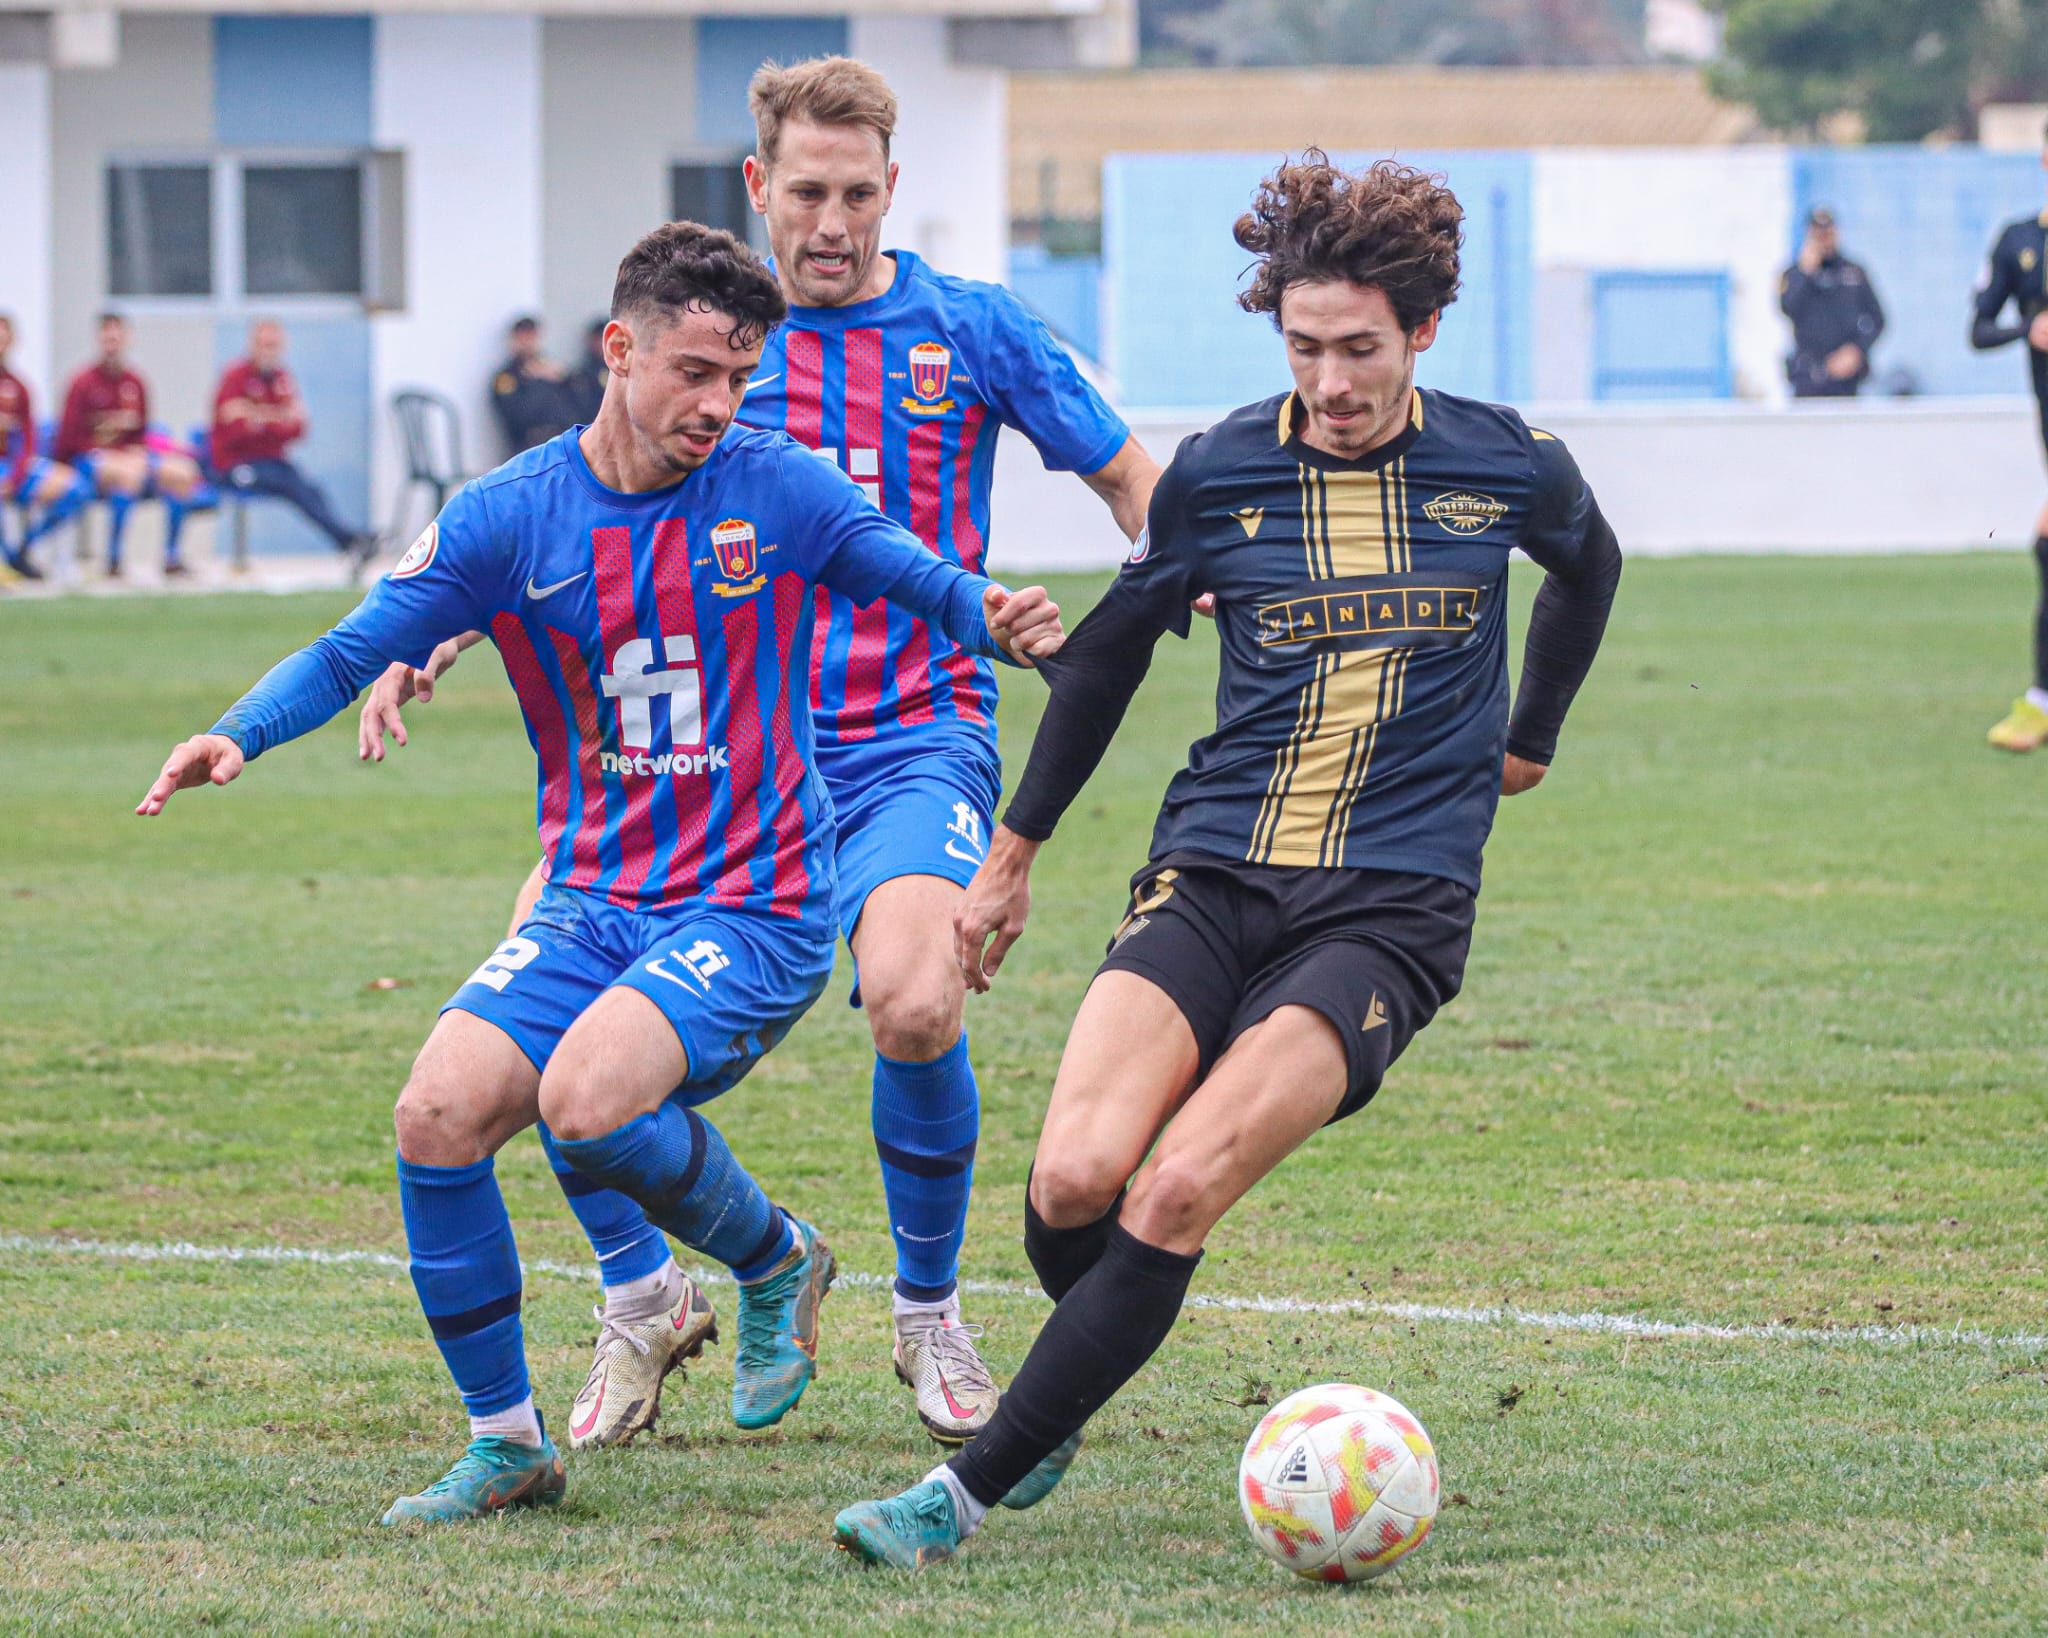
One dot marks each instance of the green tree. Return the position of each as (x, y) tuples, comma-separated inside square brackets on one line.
[(1909, 68)]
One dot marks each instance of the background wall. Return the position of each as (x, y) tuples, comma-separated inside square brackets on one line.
[(618, 107), (25, 248), (462, 97)]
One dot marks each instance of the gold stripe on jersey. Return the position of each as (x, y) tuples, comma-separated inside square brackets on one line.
[(1331, 752), (1306, 714), (1393, 688)]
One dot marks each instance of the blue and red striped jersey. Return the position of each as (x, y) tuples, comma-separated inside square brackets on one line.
[(907, 394), (655, 643)]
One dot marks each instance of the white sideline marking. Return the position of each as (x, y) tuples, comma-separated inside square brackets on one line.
[(1620, 1325)]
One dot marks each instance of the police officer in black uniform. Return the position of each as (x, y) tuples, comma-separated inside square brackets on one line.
[(528, 391), (2019, 266), (1835, 315)]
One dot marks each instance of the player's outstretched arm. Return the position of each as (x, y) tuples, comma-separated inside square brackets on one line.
[(400, 683), (204, 759), (997, 904)]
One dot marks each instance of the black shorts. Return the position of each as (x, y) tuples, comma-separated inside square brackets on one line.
[(1376, 952), (2037, 368)]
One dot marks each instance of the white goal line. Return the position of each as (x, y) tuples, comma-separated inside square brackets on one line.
[(1620, 1325)]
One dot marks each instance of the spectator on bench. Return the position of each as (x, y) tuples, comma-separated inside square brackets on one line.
[(104, 434), (46, 492), (257, 415)]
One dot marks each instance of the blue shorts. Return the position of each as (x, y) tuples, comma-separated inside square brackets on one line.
[(730, 984), (925, 815), (39, 468)]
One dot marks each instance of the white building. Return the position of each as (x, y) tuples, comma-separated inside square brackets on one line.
[(397, 185)]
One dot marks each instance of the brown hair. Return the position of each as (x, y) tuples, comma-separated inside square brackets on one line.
[(683, 267), (1389, 227), (823, 91)]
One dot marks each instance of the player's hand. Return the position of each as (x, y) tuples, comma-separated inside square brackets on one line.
[(1809, 255), (2037, 333), (380, 713), (1205, 605), (1845, 361), (1025, 624), (997, 904), (202, 759), (1519, 774)]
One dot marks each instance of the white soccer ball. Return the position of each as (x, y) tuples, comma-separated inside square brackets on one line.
[(1338, 1483)]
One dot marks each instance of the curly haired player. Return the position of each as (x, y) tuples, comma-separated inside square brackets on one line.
[(1308, 900)]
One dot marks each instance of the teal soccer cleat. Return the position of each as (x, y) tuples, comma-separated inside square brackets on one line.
[(494, 1473), (778, 1351), (1038, 1484), (905, 1532)]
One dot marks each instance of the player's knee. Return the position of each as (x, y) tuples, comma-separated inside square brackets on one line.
[(568, 1107), (436, 1125), (1172, 1202), (913, 1025), (1073, 1190)]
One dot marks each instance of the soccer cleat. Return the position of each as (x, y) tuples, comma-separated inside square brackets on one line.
[(1038, 1484), (936, 1358), (494, 1473), (2024, 728), (778, 1351), (622, 1394), (905, 1532)]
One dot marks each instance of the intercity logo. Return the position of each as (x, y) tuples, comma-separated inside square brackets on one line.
[(931, 366), (737, 549), (1464, 513)]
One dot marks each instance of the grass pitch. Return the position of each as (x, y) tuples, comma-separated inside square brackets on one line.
[(1751, 1038)]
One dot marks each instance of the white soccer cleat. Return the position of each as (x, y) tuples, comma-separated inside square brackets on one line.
[(937, 1359), (622, 1394)]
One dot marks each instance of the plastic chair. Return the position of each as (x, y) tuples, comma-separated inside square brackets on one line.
[(430, 444)]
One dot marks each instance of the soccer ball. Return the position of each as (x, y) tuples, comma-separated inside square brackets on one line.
[(1338, 1483)]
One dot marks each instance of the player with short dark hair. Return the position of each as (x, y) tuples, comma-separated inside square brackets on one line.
[(1309, 896), (649, 583), (104, 433), (903, 378), (2018, 277), (46, 492)]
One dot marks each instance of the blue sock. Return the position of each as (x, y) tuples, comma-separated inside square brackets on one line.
[(466, 1270), (628, 1247), (118, 508), (685, 1178), (61, 510), (174, 526), (927, 1118)]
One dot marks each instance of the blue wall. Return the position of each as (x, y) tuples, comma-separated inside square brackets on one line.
[(1921, 221), (298, 83), (1176, 335), (1065, 291), (729, 49)]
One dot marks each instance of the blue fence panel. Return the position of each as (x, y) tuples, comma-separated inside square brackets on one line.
[(1176, 337), (1661, 335), (1065, 291), (1921, 221)]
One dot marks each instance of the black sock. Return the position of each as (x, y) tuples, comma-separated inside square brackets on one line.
[(2041, 615), (1062, 1256), (1112, 1321)]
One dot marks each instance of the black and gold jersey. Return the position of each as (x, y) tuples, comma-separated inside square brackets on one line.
[(1362, 699)]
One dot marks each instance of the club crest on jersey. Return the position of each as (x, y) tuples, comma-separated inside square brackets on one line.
[(739, 558), (931, 367), (419, 555), (1464, 513)]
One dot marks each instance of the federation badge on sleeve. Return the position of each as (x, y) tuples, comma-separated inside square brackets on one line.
[(737, 549), (419, 556), (931, 367)]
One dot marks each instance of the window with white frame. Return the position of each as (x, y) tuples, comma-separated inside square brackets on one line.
[(232, 227)]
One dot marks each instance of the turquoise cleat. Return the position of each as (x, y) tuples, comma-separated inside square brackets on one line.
[(1038, 1484), (494, 1473), (905, 1532), (778, 1351)]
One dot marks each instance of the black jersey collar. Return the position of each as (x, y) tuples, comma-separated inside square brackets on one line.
[(1370, 461)]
